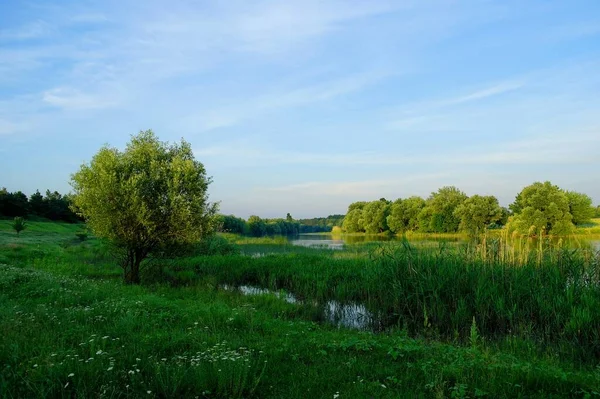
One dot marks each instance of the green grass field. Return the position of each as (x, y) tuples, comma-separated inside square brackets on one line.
[(70, 328)]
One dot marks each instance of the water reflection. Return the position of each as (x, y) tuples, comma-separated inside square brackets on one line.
[(338, 241), (349, 315)]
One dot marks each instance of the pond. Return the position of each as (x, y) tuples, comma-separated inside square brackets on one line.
[(349, 315), (338, 241)]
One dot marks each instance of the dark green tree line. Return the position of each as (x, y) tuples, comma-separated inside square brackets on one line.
[(53, 205)]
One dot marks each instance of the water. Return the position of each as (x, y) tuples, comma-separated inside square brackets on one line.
[(337, 242), (349, 315)]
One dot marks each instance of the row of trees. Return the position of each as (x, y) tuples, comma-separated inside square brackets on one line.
[(540, 207), (258, 227), (53, 205), (320, 225)]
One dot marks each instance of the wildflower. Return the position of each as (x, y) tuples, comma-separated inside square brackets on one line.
[(35, 365), (99, 352), (71, 375), (336, 395), (149, 392), (67, 384), (109, 369)]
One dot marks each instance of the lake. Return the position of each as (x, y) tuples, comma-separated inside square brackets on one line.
[(338, 242)]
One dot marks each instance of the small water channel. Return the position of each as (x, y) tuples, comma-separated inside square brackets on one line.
[(348, 315)]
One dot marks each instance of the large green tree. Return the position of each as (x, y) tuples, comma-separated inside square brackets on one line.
[(580, 206), (149, 197), (256, 226), (438, 215), (374, 216), (353, 221), (404, 214), (541, 208), (478, 212)]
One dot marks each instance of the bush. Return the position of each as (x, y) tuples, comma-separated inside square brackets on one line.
[(19, 224)]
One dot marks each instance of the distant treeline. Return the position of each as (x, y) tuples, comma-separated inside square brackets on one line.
[(321, 225), (258, 227), (541, 208), (53, 205)]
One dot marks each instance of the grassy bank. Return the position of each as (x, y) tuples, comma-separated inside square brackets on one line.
[(71, 329)]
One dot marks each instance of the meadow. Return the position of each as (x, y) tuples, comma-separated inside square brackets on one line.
[(491, 318)]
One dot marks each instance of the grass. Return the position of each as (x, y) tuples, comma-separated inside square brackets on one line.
[(591, 229), (70, 328)]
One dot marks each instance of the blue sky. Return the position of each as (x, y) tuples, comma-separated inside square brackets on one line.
[(306, 106)]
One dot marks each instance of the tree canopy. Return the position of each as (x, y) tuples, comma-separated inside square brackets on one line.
[(541, 208), (476, 213), (580, 206), (404, 214), (148, 197)]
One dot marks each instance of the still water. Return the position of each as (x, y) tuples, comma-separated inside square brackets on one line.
[(349, 315), (338, 242)]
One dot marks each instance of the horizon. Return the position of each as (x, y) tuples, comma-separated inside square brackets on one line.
[(304, 107)]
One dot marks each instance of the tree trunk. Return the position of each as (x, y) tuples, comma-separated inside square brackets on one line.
[(131, 267)]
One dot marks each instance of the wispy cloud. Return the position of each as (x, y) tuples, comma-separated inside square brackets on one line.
[(494, 90), (68, 98), (576, 147), (28, 31), (254, 107), (434, 109)]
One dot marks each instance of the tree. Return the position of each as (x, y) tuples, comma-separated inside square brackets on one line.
[(13, 204), (580, 206), (597, 214), (19, 224), (374, 216), (438, 215), (146, 199), (404, 214), (256, 226), (541, 208), (36, 203), (353, 220), (478, 212)]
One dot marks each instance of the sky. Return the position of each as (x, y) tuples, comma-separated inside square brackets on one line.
[(305, 106)]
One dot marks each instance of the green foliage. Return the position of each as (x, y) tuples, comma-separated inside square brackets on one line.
[(438, 215), (580, 206), (69, 329), (13, 204), (404, 214), (318, 225), (82, 235), (374, 216), (353, 221), (19, 224), (477, 213), (541, 208), (256, 226), (151, 195), (53, 206)]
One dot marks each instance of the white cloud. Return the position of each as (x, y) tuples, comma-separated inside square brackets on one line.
[(28, 31), (281, 99), (68, 98)]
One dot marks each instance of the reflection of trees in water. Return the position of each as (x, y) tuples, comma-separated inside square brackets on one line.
[(530, 243)]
